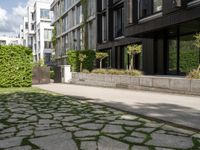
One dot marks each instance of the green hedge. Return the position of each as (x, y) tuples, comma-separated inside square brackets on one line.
[(73, 60), (15, 66)]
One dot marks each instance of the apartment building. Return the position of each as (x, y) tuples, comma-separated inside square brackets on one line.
[(165, 28), (5, 40), (168, 27), (111, 37), (68, 21), (38, 30)]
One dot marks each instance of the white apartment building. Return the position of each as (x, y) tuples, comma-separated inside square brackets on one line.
[(4, 40), (68, 19), (37, 30)]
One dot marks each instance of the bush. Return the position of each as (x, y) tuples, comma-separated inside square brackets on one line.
[(52, 74), (73, 59), (118, 72), (194, 74), (85, 71), (16, 66)]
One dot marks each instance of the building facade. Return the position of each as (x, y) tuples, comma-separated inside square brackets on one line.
[(37, 31), (111, 36), (4, 40), (165, 28), (68, 21)]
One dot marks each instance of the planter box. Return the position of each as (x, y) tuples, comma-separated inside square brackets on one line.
[(152, 83)]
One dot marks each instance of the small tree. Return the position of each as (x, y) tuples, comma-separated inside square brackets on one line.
[(82, 58), (100, 56), (132, 50)]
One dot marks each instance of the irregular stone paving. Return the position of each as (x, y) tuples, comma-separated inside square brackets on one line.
[(34, 121)]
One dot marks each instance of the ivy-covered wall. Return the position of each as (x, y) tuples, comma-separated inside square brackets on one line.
[(15, 66)]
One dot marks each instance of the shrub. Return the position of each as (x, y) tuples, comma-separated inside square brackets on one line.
[(85, 71), (118, 72), (16, 66), (194, 74), (73, 59), (52, 74)]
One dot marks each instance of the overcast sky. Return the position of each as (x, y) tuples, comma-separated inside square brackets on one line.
[(11, 15)]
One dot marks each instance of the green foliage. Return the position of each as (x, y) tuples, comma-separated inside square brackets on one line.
[(100, 56), (85, 71), (81, 58), (16, 66), (73, 59), (54, 40), (118, 72), (131, 51), (194, 74), (197, 40)]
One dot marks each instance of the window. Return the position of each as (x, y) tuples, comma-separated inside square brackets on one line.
[(26, 25), (104, 27), (130, 11), (104, 4), (47, 34), (150, 7), (44, 14), (118, 22), (32, 26), (48, 45), (183, 55)]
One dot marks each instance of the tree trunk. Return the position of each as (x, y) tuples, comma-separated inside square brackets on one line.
[(131, 63), (101, 64), (81, 67)]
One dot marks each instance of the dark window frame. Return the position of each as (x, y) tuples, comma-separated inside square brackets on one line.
[(140, 16)]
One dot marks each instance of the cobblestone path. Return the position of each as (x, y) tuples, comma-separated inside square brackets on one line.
[(55, 122)]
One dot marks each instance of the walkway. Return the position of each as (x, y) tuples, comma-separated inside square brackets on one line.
[(179, 109), (39, 120)]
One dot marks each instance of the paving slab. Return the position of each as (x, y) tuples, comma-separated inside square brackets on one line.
[(179, 109)]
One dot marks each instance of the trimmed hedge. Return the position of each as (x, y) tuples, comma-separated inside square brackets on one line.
[(73, 60), (15, 66)]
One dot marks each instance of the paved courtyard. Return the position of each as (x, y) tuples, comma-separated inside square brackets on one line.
[(39, 120)]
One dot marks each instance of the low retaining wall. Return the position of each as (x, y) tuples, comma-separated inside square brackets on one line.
[(153, 83)]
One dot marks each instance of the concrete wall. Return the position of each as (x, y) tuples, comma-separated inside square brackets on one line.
[(152, 83)]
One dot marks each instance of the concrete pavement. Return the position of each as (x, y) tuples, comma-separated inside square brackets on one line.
[(178, 109)]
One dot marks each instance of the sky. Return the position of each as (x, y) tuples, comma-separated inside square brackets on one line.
[(11, 15)]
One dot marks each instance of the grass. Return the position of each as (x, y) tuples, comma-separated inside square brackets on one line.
[(24, 89)]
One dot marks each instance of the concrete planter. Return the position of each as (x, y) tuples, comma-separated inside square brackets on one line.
[(153, 83)]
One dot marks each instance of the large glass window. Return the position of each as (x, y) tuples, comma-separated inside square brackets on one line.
[(189, 54), (44, 14), (104, 27), (183, 55), (172, 56), (149, 7), (118, 22)]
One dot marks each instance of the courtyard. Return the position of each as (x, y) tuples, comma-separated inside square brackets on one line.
[(34, 119)]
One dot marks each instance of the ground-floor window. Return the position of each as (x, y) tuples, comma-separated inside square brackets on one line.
[(183, 55), (122, 59)]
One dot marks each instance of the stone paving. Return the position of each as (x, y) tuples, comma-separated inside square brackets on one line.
[(55, 122)]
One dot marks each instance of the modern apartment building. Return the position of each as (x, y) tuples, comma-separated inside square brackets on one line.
[(165, 28), (38, 30), (111, 38), (68, 20), (4, 40)]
